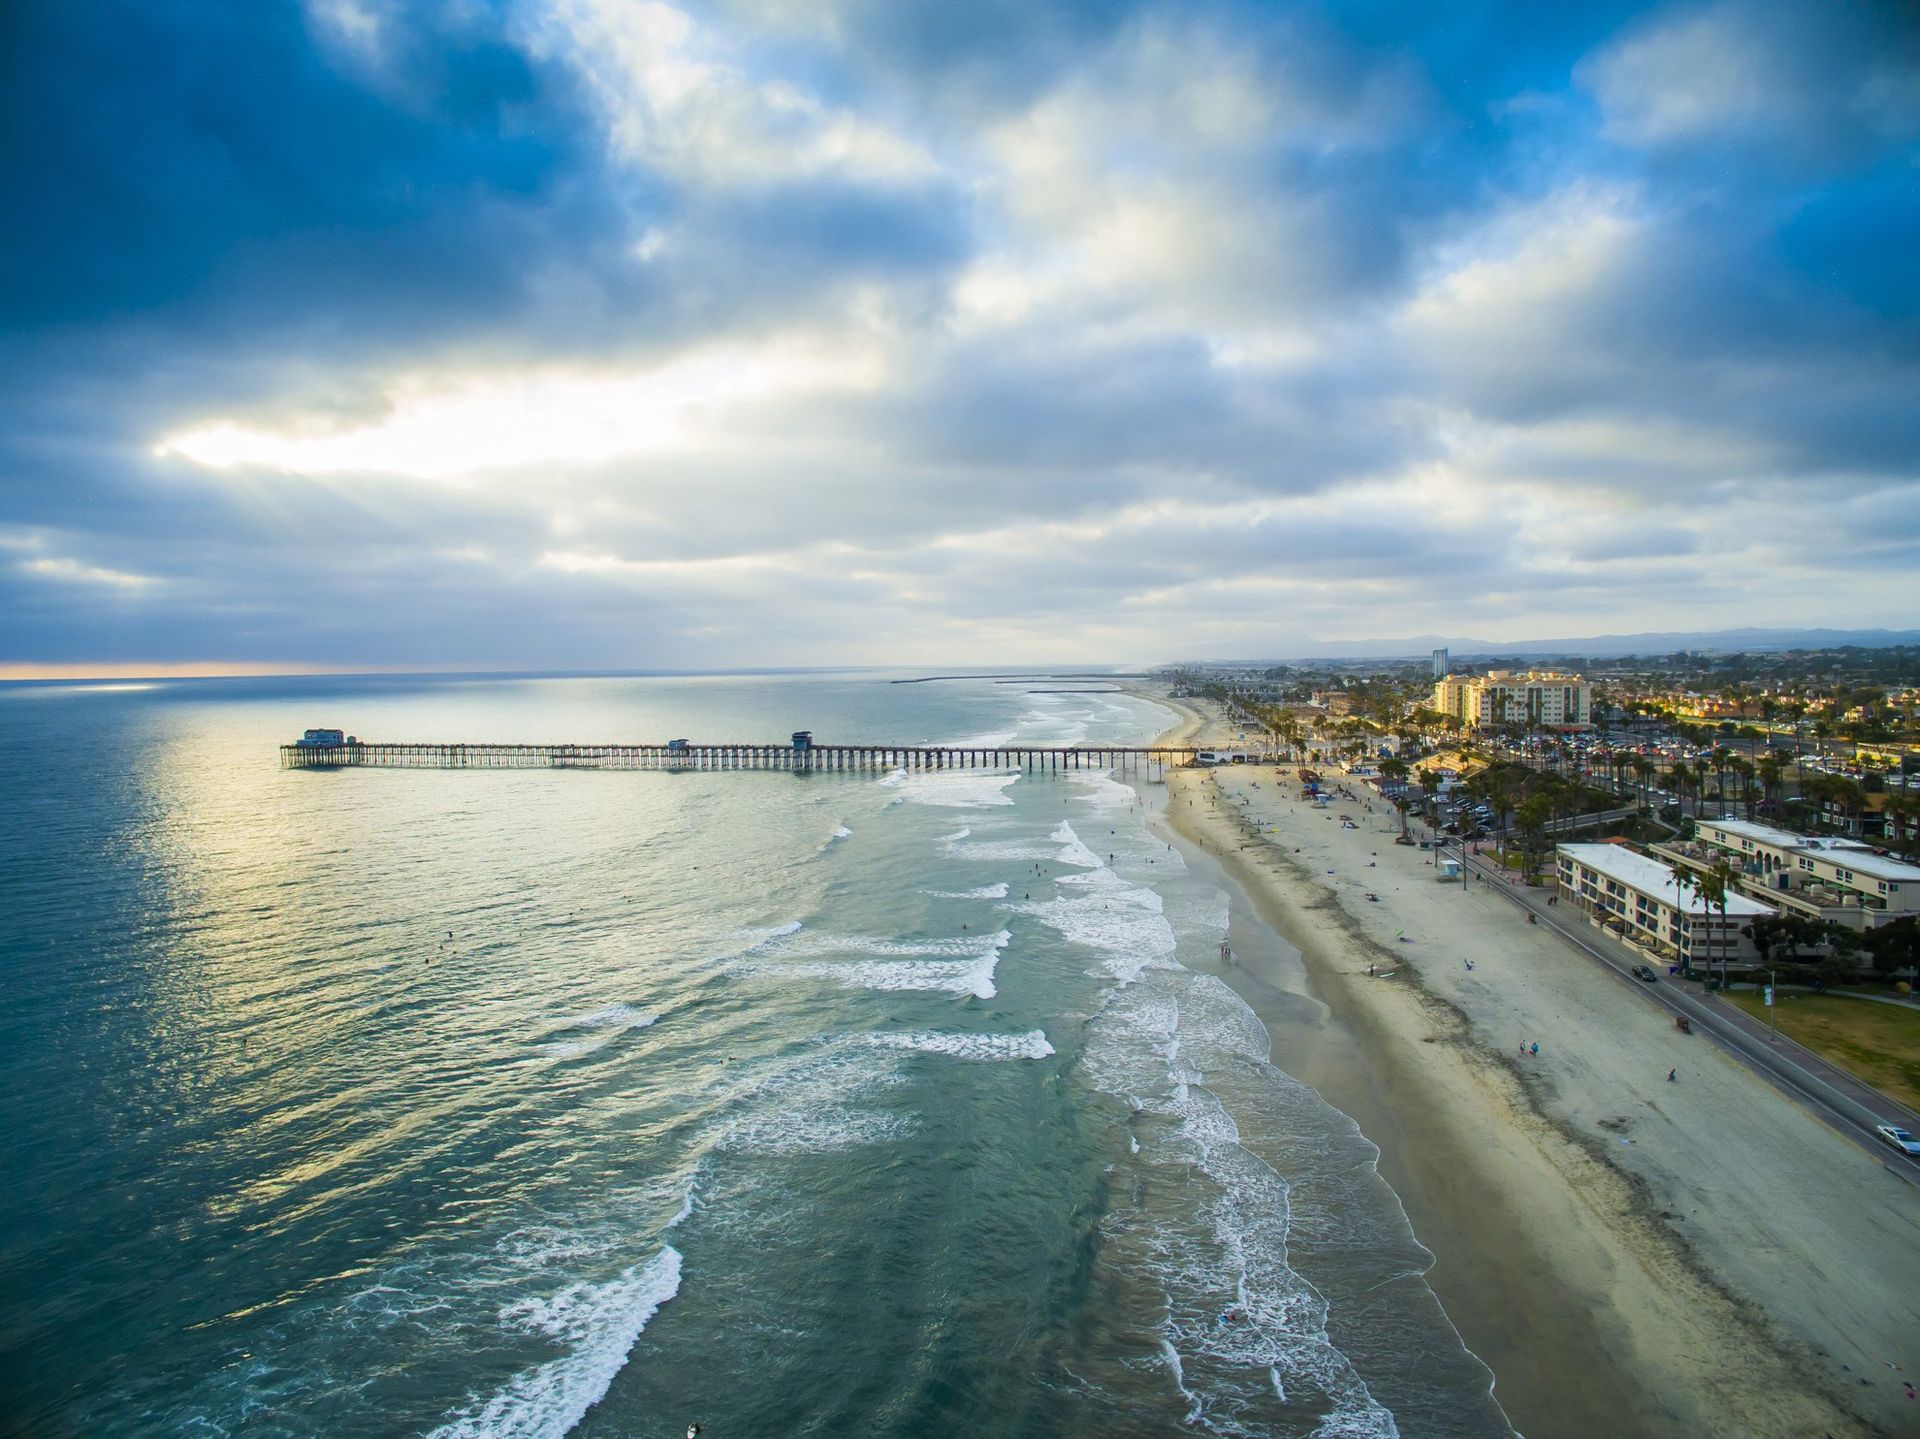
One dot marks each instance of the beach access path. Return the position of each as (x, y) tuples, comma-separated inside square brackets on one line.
[(1738, 1265)]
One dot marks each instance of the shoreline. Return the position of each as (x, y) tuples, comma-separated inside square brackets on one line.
[(1556, 1262)]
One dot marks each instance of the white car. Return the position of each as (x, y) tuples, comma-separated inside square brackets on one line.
[(1899, 1139)]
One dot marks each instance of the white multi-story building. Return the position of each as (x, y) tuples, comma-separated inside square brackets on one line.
[(1549, 698), (1656, 908), (1817, 870), (1442, 666)]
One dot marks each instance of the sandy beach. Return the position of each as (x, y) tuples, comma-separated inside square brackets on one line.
[(1629, 1255)]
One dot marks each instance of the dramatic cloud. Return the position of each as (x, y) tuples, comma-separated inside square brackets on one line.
[(652, 332)]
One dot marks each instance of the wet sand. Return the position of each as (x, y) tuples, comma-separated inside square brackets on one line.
[(1623, 1257)]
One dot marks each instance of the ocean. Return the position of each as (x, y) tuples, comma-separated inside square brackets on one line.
[(535, 1103)]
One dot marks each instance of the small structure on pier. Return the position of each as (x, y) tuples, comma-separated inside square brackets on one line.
[(803, 739), (323, 739)]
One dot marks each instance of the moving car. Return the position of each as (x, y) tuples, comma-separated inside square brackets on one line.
[(1899, 1138), (1645, 973)]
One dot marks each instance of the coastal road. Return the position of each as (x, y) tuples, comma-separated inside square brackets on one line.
[(1836, 1096)]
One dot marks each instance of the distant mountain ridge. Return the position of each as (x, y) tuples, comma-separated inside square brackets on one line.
[(1613, 646)]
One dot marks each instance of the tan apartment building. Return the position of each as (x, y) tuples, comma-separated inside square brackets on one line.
[(1839, 880), (1650, 904), (1549, 698)]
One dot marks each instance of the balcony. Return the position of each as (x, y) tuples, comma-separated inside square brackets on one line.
[(1791, 890)]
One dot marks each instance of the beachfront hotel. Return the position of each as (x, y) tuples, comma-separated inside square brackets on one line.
[(1650, 904), (1551, 698), (1841, 881)]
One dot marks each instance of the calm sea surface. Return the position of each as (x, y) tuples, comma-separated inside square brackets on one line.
[(536, 1103)]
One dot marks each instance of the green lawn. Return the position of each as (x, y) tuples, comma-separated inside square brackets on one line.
[(1878, 1042)]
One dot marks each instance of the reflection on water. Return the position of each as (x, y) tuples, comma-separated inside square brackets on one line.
[(513, 1101)]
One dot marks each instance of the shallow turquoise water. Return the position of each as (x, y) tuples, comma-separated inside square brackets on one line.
[(528, 1103)]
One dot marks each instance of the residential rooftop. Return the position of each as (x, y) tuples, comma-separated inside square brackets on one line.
[(1781, 838), (1851, 852), (1651, 877)]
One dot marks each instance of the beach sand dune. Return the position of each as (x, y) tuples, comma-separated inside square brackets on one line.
[(1629, 1255)]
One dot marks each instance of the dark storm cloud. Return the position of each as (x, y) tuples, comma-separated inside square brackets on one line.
[(1267, 320)]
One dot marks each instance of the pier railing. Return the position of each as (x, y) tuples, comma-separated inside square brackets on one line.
[(819, 757)]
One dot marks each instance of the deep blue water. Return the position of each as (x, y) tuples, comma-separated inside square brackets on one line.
[(528, 1103)]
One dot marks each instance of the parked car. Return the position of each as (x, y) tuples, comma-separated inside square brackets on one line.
[(1645, 973), (1899, 1138)]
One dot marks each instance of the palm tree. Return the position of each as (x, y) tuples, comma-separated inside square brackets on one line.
[(1744, 769), (1773, 773), (1850, 798), (1532, 818), (1712, 888), (1680, 777), (1645, 769), (1722, 761), (1903, 820)]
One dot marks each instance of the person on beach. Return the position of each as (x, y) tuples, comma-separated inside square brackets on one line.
[(1672, 1078), (1534, 1049)]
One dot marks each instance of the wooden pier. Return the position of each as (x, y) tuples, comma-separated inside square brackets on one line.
[(816, 758)]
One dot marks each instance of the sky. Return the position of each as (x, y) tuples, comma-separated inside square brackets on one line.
[(606, 334)]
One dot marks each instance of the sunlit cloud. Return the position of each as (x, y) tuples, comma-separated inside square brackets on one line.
[(66, 571), (436, 429), (592, 333), (671, 98)]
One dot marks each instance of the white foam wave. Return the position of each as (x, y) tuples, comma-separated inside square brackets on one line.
[(992, 739), (1237, 1314), (1101, 791), (753, 938), (1072, 851), (974, 976), (1172, 1356), (817, 1131), (985, 891), (842, 832), (1047, 724), (589, 1032), (1031, 1045), (812, 1102), (1121, 923), (802, 946), (952, 789), (960, 964), (601, 1322)]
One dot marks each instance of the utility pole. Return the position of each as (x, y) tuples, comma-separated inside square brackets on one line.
[(1773, 1006)]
